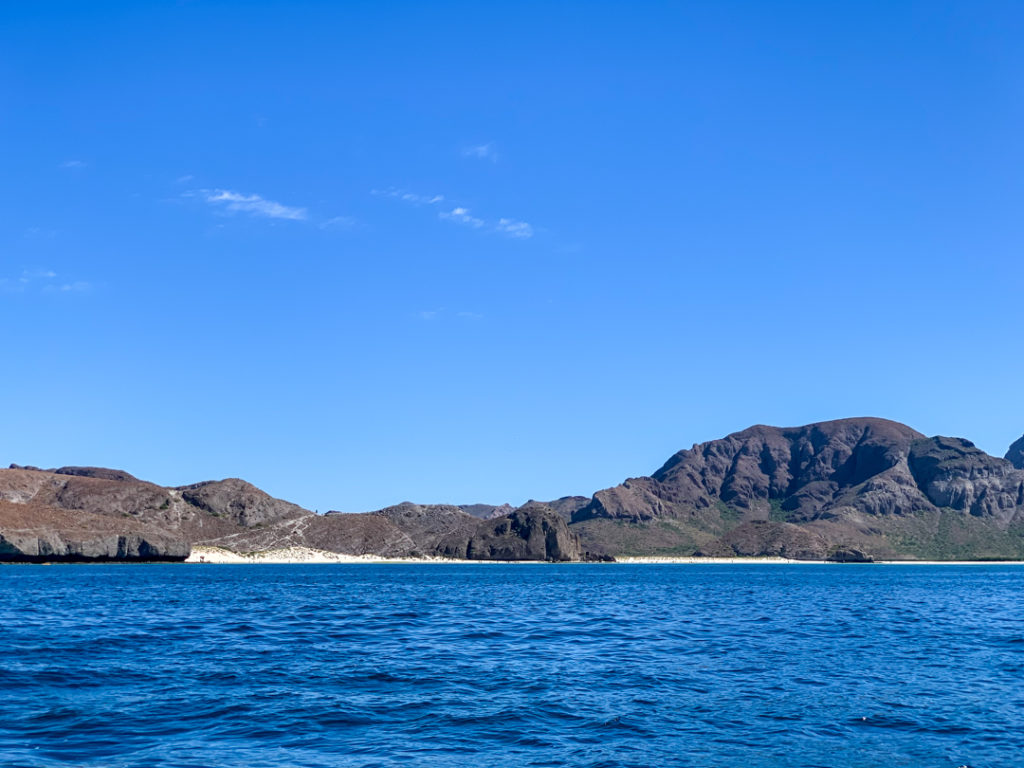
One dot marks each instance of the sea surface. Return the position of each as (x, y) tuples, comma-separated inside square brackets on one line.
[(512, 665)]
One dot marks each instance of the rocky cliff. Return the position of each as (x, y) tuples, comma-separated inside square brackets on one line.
[(1016, 454), (36, 533)]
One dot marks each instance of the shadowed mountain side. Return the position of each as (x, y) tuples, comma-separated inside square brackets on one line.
[(1016, 454), (536, 533)]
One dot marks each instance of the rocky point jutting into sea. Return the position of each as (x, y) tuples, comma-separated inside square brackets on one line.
[(846, 490)]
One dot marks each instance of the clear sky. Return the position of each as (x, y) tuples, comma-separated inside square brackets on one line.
[(363, 252)]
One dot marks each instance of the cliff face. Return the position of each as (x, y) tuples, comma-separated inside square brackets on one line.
[(36, 533), (865, 483)]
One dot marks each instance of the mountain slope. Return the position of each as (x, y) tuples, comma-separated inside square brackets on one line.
[(866, 484)]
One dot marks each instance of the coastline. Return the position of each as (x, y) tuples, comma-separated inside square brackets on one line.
[(305, 555)]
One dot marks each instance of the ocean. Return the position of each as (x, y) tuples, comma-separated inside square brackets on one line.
[(512, 665)]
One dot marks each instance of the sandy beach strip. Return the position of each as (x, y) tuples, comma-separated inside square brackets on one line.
[(300, 555)]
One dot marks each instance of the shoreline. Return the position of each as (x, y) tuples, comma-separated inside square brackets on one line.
[(205, 555)]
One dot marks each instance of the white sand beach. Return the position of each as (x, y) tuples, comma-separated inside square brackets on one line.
[(298, 555)]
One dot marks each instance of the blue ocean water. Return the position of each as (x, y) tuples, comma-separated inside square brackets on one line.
[(512, 665)]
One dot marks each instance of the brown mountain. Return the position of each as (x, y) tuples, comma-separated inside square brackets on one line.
[(867, 485)]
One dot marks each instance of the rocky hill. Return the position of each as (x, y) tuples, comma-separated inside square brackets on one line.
[(96, 514), (839, 487)]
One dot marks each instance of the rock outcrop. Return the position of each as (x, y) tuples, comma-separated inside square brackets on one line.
[(528, 533), (1016, 454)]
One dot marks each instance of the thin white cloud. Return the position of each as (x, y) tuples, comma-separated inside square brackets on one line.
[(462, 216), (73, 164), (481, 152), (513, 228), (185, 179), (254, 205), (408, 197), (520, 230)]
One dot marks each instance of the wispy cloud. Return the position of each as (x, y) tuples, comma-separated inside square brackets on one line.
[(513, 228), (73, 164), (408, 197), (254, 205), (185, 179), (481, 152), (462, 216)]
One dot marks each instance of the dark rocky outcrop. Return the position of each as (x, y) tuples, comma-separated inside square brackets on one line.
[(1016, 454), (535, 533), (848, 555), (100, 472)]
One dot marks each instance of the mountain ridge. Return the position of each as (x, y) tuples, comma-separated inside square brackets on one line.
[(848, 489)]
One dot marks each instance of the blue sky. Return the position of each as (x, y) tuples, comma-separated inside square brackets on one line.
[(364, 252)]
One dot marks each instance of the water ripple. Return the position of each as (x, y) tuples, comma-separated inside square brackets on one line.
[(438, 666)]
